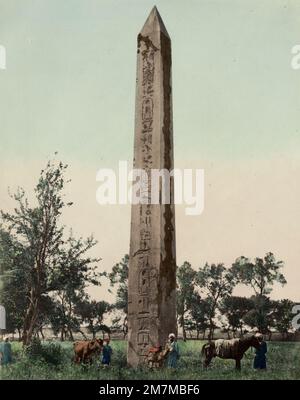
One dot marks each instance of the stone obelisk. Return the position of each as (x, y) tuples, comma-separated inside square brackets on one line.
[(152, 264)]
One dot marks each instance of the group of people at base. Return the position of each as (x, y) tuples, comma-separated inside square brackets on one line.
[(170, 354)]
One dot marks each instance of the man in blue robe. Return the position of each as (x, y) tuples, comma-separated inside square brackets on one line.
[(260, 360), (5, 350), (106, 353)]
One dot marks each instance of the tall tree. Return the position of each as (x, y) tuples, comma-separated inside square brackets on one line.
[(185, 293), (261, 275), (216, 283), (40, 240)]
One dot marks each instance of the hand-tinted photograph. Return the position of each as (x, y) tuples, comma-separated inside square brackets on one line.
[(149, 187)]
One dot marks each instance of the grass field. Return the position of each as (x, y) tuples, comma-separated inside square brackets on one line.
[(283, 363)]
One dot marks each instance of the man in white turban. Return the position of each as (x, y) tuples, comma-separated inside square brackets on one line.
[(173, 355)]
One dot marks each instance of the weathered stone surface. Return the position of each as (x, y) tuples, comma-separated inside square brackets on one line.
[(152, 265)]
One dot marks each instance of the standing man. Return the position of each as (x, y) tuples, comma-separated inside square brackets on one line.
[(173, 348), (260, 360), (107, 352), (5, 350)]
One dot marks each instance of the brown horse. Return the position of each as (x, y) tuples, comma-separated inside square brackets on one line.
[(228, 349)]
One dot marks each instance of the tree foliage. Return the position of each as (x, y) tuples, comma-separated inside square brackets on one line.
[(260, 274), (185, 292), (40, 257), (118, 278), (216, 283), (235, 309)]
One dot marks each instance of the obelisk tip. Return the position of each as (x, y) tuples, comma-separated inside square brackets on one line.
[(154, 23)]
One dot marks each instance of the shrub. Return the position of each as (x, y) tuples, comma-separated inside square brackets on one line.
[(51, 353)]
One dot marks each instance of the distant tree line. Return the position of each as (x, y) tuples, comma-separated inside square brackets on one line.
[(45, 273), (205, 300)]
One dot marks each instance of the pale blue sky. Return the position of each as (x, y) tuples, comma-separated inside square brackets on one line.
[(70, 78), (69, 87)]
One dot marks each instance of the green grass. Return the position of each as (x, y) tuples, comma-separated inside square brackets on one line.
[(283, 363)]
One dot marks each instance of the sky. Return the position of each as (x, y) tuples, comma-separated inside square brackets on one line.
[(69, 87)]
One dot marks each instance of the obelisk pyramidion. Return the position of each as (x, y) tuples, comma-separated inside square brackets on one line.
[(152, 264)]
